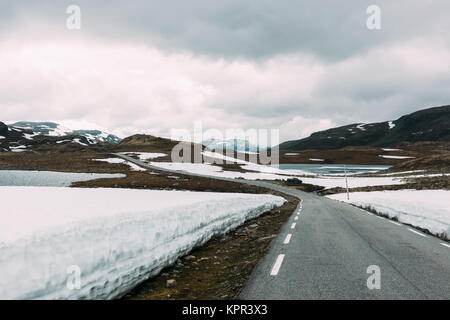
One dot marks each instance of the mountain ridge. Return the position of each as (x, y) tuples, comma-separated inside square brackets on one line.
[(431, 124)]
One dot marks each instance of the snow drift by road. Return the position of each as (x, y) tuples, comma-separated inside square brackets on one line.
[(49, 178), (117, 237), (429, 209)]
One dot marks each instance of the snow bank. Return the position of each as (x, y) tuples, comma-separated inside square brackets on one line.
[(388, 149), (144, 156), (132, 166), (353, 182), (116, 237), (429, 209), (48, 178), (396, 157)]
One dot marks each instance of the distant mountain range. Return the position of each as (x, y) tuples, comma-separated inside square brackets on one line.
[(57, 130), (431, 124), (241, 145), (25, 136)]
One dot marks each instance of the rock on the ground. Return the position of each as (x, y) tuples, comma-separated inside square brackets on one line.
[(171, 283)]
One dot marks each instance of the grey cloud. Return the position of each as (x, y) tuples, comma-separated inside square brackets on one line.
[(329, 29), (362, 80)]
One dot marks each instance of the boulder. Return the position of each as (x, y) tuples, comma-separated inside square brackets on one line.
[(171, 283)]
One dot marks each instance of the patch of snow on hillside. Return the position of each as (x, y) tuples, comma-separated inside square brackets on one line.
[(396, 157), (116, 238), (18, 149), (313, 159), (133, 166), (291, 154), (29, 136), (391, 125), (387, 149), (77, 140), (361, 127), (429, 209)]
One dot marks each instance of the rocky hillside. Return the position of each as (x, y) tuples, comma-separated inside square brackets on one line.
[(431, 124)]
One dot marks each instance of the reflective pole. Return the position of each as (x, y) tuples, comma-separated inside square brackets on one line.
[(346, 182)]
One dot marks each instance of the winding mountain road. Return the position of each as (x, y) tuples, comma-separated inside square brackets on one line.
[(329, 250)]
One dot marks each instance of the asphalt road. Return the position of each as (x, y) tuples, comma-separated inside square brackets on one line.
[(329, 249)]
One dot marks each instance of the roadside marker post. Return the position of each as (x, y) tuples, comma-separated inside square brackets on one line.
[(346, 182)]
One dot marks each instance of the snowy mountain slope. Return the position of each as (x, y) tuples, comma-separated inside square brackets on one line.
[(113, 244), (49, 136), (55, 129)]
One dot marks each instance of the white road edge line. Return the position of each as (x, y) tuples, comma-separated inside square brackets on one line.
[(277, 265), (293, 225), (396, 223), (288, 238), (417, 233), (446, 245)]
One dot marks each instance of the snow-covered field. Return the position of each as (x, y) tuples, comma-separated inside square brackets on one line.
[(115, 238), (271, 173), (132, 166), (429, 209), (48, 178)]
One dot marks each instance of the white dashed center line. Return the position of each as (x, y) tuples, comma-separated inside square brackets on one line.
[(288, 238), (293, 225), (296, 218), (445, 244), (277, 265), (417, 233)]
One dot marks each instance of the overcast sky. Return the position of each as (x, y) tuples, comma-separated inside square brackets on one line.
[(151, 66)]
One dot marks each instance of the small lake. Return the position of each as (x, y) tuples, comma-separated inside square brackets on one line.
[(48, 178), (337, 169)]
